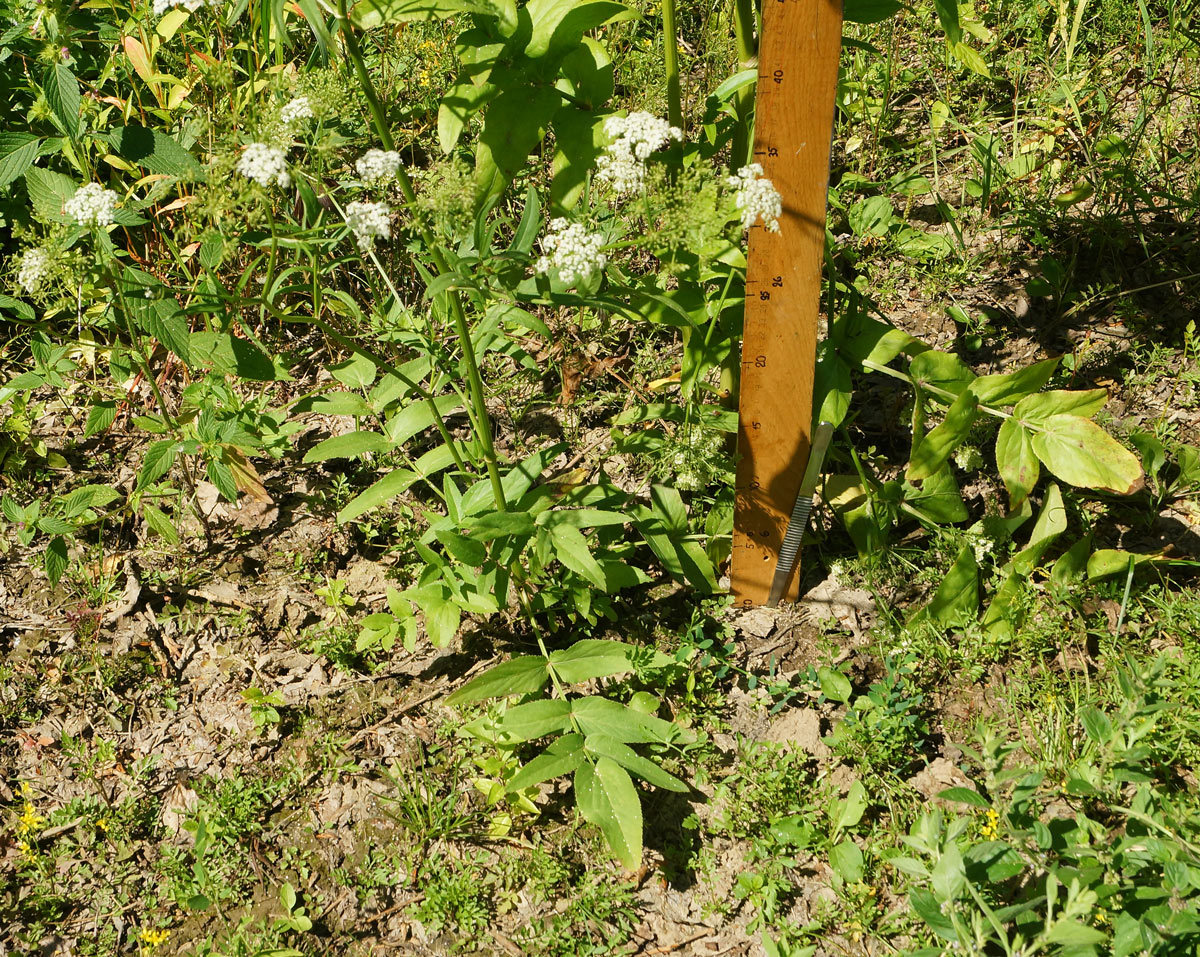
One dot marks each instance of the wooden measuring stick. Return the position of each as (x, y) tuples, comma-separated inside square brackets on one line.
[(797, 82)]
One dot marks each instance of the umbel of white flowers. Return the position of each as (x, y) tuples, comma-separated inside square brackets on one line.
[(265, 164), (369, 222), (572, 251), (162, 6), (35, 263), (297, 109), (634, 138), (377, 166), (92, 205), (756, 198)]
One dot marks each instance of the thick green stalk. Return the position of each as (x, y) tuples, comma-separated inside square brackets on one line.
[(483, 421), (744, 22), (671, 60)]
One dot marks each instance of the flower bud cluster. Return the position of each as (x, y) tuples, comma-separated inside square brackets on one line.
[(571, 251), (92, 205), (297, 109), (35, 263), (634, 138), (265, 164), (368, 222), (757, 198), (375, 167)]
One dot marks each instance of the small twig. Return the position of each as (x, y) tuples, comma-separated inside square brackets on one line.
[(668, 948), (129, 599)]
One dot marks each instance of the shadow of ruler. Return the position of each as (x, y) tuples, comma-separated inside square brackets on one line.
[(797, 82)]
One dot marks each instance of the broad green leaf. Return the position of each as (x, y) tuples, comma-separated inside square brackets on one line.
[(1080, 452), (527, 722), (578, 140), (1097, 724), (101, 416), (369, 14), (970, 58), (1036, 409), (1111, 562), (936, 447), (571, 548), (17, 153), (940, 370), (486, 527), (581, 517), (465, 98), (158, 522), (834, 685), (848, 812), (89, 496), (514, 123), (161, 318), (846, 859), (965, 796), (939, 498), (62, 95), (524, 674), (1071, 933), (157, 461), (232, 355), (832, 388), (156, 152), (357, 372), (1016, 461), (592, 658), (607, 798), (1073, 563), (559, 25), (958, 595), (1011, 387), (442, 618), (396, 483), (1051, 522), (949, 874), (47, 192), (56, 559), (947, 11), (347, 446), (870, 11), (418, 416), (516, 482), (597, 715), (601, 745), (563, 756), (334, 403)]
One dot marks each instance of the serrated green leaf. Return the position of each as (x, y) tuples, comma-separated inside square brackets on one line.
[(48, 191), (596, 715), (571, 548), (517, 676), (158, 521), (536, 719), (17, 153), (592, 658), (564, 756), (607, 798), (89, 496), (601, 745), (62, 95), (965, 796), (157, 462), (347, 446), (155, 151), (56, 559)]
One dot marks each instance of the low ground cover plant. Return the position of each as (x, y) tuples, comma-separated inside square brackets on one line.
[(457, 287)]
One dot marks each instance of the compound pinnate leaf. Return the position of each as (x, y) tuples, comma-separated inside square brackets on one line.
[(601, 745), (564, 756), (608, 799), (527, 722)]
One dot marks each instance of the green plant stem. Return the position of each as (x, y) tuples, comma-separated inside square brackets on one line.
[(480, 417), (744, 22), (936, 390), (671, 62)]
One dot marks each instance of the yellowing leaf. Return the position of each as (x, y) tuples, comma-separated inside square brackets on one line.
[(1080, 452)]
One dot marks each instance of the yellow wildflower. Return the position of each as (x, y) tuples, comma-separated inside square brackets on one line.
[(29, 820), (991, 827), (149, 939)]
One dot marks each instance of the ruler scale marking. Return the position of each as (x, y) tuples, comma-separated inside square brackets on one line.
[(798, 64)]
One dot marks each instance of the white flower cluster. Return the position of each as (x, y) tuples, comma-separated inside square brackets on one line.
[(264, 164), (369, 222), (634, 138), (757, 198), (572, 251), (162, 6), (35, 263), (295, 110), (377, 166), (92, 205)]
